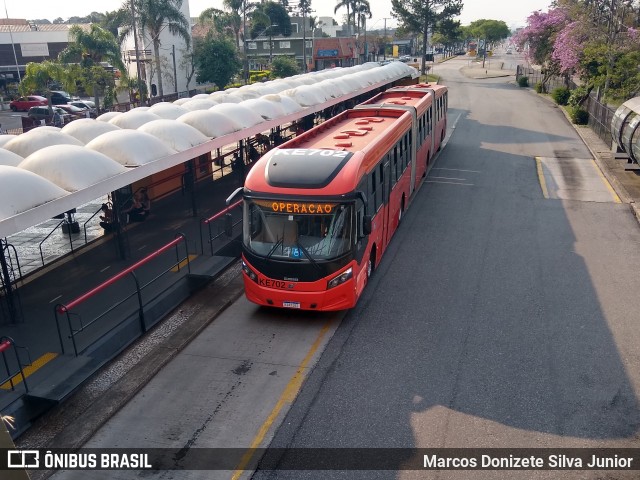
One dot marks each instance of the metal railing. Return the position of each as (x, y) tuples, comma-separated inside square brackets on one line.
[(209, 221), (65, 309), (50, 233), (5, 344)]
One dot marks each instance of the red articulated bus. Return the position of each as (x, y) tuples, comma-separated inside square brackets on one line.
[(321, 209), (428, 103)]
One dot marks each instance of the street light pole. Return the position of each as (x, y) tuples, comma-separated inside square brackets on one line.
[(384, 39), (135, 43), (244, 42), (271, 25), (304, 36)]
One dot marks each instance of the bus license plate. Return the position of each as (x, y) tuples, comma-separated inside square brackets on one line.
[(291, 304)]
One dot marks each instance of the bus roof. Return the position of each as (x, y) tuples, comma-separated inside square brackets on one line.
[(330, 158), (419, 96)]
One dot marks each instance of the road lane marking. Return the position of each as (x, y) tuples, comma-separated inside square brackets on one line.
[(288, 395), (450, 183), (53, 300), (456, 169), (29, 370), (616, 198), (543, 183), (450, 178)]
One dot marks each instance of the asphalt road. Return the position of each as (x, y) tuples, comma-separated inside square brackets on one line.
[(497, 318), (11, 120)]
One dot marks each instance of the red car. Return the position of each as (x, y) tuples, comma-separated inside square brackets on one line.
[(25, 103)]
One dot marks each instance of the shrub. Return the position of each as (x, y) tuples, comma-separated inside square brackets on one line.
[(523, 81), (579, 116), (560, 95), (577, 96), (258, 76), (540, 88)]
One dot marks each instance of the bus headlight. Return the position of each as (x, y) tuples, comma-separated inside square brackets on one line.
[(340, 279), (250, 273)]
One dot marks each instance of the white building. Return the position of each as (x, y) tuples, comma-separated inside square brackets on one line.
[(172, 67)]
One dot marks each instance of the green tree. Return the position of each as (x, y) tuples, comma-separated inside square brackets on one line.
[(39, 77), (362, 11), (345, 4), (88, 49), (219, 21), (154, 16), (421, 16), (490, 30), (449, 33), (216, 61), (270, 18), (283, 67), (112, 21), (235, 9)]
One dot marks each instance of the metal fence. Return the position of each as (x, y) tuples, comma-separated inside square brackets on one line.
[(600, 117), (600, 114), (535, 76)]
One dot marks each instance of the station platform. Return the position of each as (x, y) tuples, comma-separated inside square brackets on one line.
[(67, 265)]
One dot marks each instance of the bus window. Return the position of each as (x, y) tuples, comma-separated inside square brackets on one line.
[(299, 230)]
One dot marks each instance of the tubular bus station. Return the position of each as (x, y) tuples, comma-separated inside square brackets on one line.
[(162, 175), (625, 132)]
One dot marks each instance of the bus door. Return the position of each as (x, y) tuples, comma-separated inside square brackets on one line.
[(387, 184), (412, 149), (434, 121)]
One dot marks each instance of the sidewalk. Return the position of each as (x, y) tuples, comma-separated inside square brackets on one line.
[(491, 69)]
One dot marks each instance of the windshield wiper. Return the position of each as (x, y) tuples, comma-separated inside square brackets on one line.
[(275, 246), (308, 255)]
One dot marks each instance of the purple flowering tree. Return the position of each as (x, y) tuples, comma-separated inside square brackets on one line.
[(597, 40), (538, 38)]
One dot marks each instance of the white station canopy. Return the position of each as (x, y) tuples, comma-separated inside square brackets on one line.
[(49, 170)]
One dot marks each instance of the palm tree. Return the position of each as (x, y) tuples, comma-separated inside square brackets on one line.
[(361, 11), (153, 17), (235, 8), (347, 4), (89, 49)]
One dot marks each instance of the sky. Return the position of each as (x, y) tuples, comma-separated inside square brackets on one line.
[(513, 13)]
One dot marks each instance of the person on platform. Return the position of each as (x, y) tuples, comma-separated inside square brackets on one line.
[(106, 218)]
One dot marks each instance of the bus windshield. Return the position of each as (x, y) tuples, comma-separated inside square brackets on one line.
[(301, 231)]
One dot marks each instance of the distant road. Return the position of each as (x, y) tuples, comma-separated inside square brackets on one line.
[(11, 120)]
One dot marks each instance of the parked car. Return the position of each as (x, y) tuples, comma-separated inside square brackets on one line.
[(60, 97), (76, 112), (42, 113), (86, 105), (25, 103)]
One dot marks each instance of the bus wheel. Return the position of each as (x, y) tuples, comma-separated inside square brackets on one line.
[(371, 264)]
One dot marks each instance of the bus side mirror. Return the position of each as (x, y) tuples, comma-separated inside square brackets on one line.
[(228, 225), (366, 225)]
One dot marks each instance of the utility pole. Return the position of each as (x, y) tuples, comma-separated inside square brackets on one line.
[(384, 39), (175, 72)]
